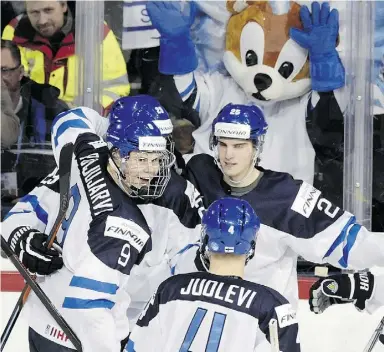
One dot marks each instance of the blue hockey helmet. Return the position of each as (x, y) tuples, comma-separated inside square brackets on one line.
[(239, 122), (137, 175), (126, 138), (146, 108), (229, 225)]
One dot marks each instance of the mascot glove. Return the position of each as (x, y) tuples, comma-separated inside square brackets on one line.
[(173, 20), (319, 37)]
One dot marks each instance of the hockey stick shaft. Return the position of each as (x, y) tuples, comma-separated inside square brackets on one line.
[(274, 336), (375, 336), (41, 295), (65, 163)]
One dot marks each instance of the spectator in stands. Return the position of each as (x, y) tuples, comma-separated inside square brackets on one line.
[(46, 38), (10, 123), (36, 105)]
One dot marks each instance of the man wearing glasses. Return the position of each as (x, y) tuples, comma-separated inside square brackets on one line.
[(35, 104)]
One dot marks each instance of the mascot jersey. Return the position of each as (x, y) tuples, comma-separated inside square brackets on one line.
[(267, 67)]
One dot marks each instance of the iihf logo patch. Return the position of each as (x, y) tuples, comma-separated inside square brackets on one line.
[(333, 286), (214, 246)]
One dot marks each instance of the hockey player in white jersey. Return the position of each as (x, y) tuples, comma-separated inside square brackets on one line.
[(103, 236), (217, 310), (170, 232), (295, 218)]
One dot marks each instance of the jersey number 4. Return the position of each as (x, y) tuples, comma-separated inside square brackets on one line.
[(215, 332)]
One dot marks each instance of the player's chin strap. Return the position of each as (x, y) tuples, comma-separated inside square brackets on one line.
[(118, 175)]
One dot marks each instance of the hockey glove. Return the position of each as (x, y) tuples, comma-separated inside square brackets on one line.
[(337, 289), (319, 37), (30, 246), (173, 20)]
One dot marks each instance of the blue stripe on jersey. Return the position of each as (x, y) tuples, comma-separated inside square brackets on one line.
[(189, 89), (130, 347), (79, 303), (69, 124), (94, 285), (351, 239), (340, 239), (181, 251), (41, 214), (16, 212)]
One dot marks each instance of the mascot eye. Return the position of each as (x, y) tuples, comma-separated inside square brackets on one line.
[(286, 69), (251, 58)]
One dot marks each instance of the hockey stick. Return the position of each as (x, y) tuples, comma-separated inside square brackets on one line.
[(375, 336), (41, 295), (274, 336), (65, 163)]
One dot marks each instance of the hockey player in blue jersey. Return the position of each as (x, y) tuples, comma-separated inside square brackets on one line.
[(218, 310), (295, 218)]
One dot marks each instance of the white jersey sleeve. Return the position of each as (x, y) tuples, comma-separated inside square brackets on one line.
[(68, 125), (138, 339), (38, 209), (103, 236), (377, 299)]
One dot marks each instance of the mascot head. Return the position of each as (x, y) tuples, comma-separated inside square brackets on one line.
[(259, 54)]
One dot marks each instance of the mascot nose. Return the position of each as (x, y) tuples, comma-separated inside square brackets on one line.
[(262, 81)]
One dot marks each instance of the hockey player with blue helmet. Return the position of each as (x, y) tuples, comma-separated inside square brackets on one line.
[(105, 233), (296, 220), (204, 310), (142, 108), (229, 225), (146, 108), (139, 165)]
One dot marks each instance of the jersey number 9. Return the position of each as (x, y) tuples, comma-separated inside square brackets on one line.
[(125, 254)]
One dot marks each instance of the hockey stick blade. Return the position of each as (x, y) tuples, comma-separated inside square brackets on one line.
[(41, 295), (65, 164)]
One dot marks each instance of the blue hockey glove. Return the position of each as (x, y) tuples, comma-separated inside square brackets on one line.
[(173, 20), (319, 37), (344, 288)]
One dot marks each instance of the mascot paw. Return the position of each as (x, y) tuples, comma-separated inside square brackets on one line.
[(319, 37)]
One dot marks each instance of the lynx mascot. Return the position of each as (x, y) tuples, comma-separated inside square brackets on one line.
[(278, 55)]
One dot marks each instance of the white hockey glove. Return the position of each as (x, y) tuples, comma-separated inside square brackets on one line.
[(338, 289), (30, 246)]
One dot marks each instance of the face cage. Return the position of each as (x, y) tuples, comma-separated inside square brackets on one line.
[(155, 188), (170, 143), (204, 251)]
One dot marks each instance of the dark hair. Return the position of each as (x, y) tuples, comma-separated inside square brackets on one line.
[(13, 48)]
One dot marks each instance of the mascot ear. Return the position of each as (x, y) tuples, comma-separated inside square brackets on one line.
[(236, 6)]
